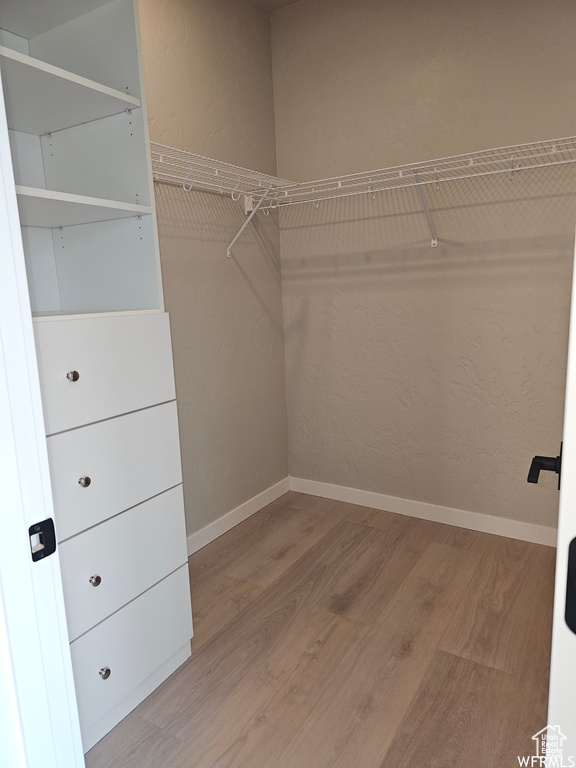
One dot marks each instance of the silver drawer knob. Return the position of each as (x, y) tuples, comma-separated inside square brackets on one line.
[(84, 482), (104, 673), (72, 375), (95, 581)]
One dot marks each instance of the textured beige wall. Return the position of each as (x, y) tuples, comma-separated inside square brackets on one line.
[(226, 319), (374, 83), (429, 374), (207, 65)]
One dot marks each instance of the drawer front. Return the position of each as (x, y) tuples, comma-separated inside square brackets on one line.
[(127, 460), (132, 644), (109, 565), (124, 363)]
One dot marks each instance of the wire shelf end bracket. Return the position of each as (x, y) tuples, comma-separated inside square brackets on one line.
[(249, 219), (434, 240)]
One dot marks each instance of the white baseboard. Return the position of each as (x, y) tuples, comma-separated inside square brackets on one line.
[(211, 531), (474, 521)]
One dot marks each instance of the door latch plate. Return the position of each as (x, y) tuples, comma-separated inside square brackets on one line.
[(42, 539)]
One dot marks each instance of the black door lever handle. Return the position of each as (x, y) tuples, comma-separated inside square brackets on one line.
[(548, 463), (538, 464)]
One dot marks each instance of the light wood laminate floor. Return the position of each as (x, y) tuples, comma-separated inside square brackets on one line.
[(333, 636)]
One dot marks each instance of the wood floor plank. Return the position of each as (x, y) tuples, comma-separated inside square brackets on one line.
[(356, 513), (533, 614), (529, 637), (291, 536), (260, 635), (360, 711), (282, 695), (270, 534), (485, 627), (217, 604), (232, 546), (136, 743), (476, 541), (291, 708), (366, 589), (452, 721), (297, 500), (377, 518)]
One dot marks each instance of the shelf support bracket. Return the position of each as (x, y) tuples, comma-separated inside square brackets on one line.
[(248, 220), (434, 240)]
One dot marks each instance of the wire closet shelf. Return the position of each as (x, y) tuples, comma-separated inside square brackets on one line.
[(196, 172), (175, 166)]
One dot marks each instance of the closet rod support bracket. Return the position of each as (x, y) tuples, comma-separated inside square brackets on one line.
[(249, 219), (434, 240)]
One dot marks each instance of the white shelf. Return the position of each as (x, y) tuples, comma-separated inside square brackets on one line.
[(29, 18), (88, 314), (473, 165), (175, 166), (45, 208), (41, 98)]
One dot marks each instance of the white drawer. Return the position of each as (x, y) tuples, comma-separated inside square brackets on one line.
[(124, 363), (124, 557), (128, 460), (132, 644)]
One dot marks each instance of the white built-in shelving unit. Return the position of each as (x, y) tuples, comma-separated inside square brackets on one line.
[(75, 105), (74, 102)]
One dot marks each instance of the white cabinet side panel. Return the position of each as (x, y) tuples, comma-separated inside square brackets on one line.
[(128, 460), (124, 362), (103, 158), (27, 159), (100, 45), (129, 554), (41, 269), (107, 266), (15, 42), (144, 108)]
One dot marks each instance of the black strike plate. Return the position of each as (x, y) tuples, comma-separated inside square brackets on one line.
[(42, 539)]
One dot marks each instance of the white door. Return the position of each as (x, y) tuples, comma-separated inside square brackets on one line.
[(562, 702), (38, 715)]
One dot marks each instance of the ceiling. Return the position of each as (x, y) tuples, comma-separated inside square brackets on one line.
[(272, 5)]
